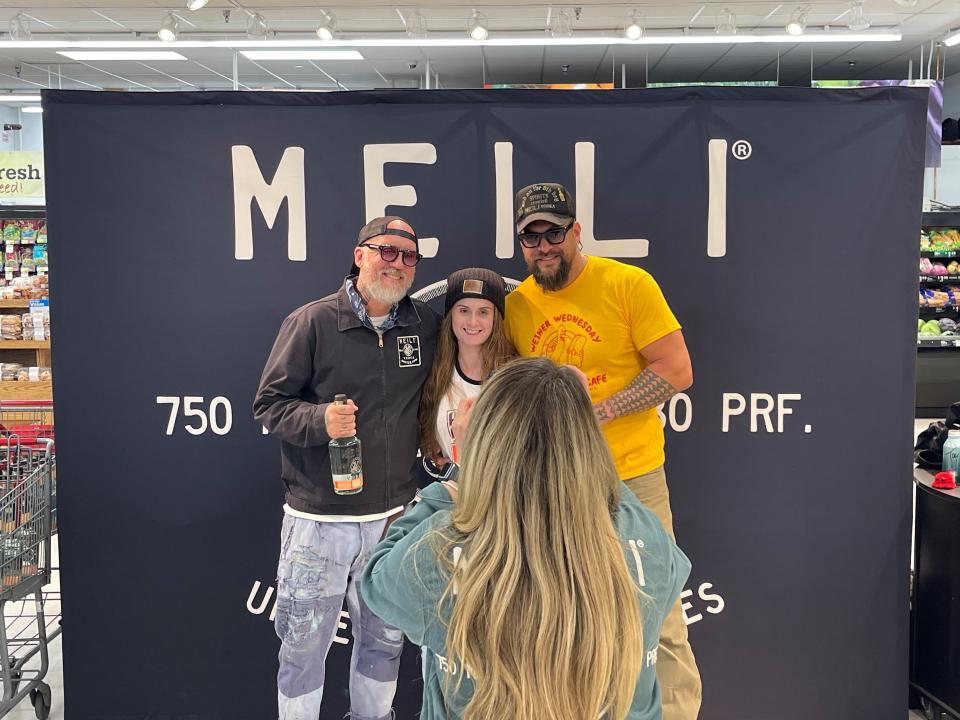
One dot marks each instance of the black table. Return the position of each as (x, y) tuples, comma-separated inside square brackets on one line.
[(935, 637)]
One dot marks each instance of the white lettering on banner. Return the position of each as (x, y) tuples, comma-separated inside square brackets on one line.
[(584, 155), (218, 419), (288, 183), (715, 608), (584, 164), (258, 609), (379, 196), (717, 203), (652, 656), (503, 198), (198, 416), (674, 402), (761, 407)]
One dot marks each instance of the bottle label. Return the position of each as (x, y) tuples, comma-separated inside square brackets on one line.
[(346, 467)]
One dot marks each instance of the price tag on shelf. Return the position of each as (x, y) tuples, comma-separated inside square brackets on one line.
[(40, 305)]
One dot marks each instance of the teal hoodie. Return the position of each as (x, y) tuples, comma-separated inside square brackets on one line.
[(404, 589)]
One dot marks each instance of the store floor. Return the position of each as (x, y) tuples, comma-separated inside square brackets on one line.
[(55, 673)]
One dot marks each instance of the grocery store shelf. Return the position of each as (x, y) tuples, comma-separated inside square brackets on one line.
[(26, 390), (938, 341), (24, 344), (939, 278), (940, 254), (944, 219), (22, 303)]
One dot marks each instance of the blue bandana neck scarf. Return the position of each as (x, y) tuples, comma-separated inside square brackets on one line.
[(358, 307)]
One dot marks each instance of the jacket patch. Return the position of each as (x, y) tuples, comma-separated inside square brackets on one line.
[(408, 351)]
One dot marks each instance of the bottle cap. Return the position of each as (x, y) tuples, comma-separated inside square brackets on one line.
[(340, 399)]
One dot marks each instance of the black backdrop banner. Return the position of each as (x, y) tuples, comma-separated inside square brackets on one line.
[(781, 223)]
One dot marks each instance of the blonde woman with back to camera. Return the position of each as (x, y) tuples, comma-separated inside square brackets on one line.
[(536, 583)]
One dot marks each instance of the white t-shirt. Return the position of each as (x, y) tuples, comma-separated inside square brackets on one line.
[(461, 387)]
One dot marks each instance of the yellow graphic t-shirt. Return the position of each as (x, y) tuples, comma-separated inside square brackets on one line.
[(599, 323)]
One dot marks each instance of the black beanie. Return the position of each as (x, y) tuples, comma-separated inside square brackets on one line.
[(477, 283)]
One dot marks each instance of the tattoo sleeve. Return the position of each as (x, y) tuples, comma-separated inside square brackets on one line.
[(646, 391)]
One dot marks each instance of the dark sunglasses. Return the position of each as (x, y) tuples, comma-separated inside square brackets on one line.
[(554, 236), (389, 253)]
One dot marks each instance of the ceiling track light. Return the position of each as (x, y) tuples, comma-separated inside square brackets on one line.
[(634, 27), (416, 25), (327, 28), (561, 24), (728, 23), (477, 27), (196, 4), (798, 21), (169, 28), (20, 27), (857, 21), (257, 28)]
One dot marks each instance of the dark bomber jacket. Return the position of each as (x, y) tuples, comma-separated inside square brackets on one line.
[(323, 349)]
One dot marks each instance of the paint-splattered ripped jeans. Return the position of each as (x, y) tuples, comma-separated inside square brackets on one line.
[(320, 564)]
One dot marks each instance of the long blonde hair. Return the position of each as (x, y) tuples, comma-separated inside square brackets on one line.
[(545, 614), (494, 352)]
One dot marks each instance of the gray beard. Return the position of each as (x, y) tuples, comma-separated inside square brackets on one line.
[(552, 282), (377, 292)]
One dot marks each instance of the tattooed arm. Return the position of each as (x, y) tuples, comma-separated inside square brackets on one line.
[(668, 372)]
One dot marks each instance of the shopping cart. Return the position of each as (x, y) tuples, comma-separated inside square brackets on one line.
[(27, 476)]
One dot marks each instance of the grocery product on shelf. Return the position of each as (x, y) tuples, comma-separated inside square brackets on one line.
[(10, 327), (930, 298), (941, 239), (9, 371), (33, 374), (36, 326)]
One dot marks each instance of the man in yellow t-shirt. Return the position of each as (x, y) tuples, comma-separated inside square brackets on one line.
[(610, 320)]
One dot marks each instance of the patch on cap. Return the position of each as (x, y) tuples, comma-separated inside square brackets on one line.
[(473, 286)]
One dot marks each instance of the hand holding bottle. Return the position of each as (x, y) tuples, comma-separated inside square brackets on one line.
[(340, 419)]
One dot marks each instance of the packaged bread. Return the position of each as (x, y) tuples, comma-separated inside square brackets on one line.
[(33, 374), (36, 326), (9, 371), (10, 327)]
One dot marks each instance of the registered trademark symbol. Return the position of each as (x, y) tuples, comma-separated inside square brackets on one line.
[(742, 149)]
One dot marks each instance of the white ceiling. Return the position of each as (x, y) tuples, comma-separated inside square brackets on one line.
[(212, 68)]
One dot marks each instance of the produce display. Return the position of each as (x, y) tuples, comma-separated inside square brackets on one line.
[(944, 327), (940, 240), (932, 267)]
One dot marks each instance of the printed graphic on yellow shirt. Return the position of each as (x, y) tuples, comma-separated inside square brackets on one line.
[(564, 339), (564, 347)]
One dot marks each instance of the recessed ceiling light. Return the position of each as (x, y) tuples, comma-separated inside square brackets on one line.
[(196, 4), (121, 55), (952, 40), (32, 109), (19, 98), (302, 54)]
